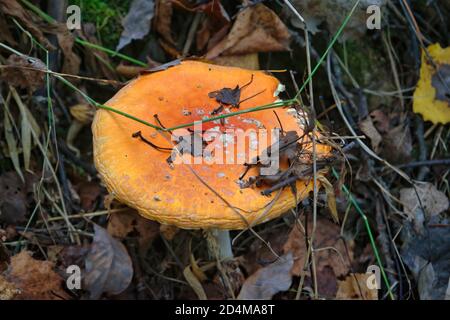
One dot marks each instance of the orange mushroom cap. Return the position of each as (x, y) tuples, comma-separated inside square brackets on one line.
[(139, 175)]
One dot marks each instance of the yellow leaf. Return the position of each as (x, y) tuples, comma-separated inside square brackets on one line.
[(428, 101)]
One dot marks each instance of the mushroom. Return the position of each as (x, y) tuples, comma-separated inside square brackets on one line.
[(193, 194)]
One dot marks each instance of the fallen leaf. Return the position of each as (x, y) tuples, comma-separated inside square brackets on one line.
[(354, 287), (397, 143), (256, 29), (268, 281), (123, 224), (108, 266), (431, 98), (330, 263), (35, 279), (163, 19), (26, 19), (13, 197), (18, 72), (136, 24), (368, 128), (66, 40), (428, 258), (434, 201)]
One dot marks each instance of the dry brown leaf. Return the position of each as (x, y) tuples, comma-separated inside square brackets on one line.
[(66, 40), (434, 201), (163, 20), (354, 287), (256, 29), (330, 263), (26, 19), (35, 279), (122, 224), (13, 198), (368, 128), (268, 281), (108, 266), (397, 143), (18, 74)]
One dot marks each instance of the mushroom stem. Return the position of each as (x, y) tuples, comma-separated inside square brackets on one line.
[(224, 243)]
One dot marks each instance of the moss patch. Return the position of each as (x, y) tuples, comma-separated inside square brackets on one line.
[(106, 15)]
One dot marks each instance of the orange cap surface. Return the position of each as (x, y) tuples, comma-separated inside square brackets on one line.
[(139, 175)]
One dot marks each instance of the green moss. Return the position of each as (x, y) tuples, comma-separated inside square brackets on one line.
[(106, 15), (364, 62)]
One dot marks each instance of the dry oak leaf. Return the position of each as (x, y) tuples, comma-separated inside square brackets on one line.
[(354, 287), (256, 29), (35, 279)]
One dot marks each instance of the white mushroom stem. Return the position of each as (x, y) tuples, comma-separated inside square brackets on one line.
[(224, 243)]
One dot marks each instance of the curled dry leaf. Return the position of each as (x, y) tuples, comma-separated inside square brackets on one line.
[(368, 128), (19, 72), (136, 24), (268, 281), (35, 279), (256, 29), (26, 19), (163, 19), (434, 201), (108, 266), (354, 287), (66, 41)]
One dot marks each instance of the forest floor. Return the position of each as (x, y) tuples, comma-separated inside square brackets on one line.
[(385, 209)]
